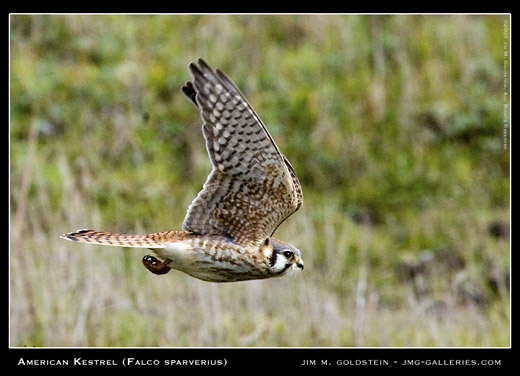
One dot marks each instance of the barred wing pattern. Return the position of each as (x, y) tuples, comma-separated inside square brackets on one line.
[(252, 187)]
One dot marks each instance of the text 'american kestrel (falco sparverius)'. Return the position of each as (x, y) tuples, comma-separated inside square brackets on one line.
[(228, 228)]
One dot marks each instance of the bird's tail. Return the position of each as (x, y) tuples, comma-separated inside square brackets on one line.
[(155, 240)]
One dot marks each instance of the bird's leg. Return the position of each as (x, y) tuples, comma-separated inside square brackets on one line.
[(156, 266)]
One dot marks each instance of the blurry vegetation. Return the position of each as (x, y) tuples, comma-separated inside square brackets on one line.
[(394, 125)]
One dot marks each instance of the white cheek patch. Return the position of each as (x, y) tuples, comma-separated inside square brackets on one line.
[(280, 265)]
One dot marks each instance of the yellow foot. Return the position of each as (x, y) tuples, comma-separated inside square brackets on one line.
[(156, 266)]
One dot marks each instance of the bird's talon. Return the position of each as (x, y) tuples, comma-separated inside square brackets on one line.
[(152, 264)]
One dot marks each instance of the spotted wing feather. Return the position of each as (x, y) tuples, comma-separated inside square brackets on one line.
[(252, 187)]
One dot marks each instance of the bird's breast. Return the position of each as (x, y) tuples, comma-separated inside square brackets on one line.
[(215, 260)]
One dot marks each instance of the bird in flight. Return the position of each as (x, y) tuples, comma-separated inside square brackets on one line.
[(227, 232)]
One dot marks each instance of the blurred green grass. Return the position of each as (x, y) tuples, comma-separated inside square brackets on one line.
[(393, 124)]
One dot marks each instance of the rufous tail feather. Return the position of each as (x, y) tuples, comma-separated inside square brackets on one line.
[(155, 240)]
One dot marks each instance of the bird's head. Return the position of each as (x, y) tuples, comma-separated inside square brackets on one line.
[(284, 257)]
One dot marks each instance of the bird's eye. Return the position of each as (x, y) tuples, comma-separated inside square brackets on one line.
[(288, 254)]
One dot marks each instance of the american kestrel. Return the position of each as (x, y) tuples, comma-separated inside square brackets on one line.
[(252, 189)]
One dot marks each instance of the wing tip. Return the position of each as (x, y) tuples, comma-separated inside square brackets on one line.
[(189, 91), (195, 70), (202, 63)]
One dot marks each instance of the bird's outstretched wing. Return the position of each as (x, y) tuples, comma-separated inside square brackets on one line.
[(252, 187)]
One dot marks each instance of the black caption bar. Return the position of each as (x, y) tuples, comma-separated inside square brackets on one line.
[(323, 358)]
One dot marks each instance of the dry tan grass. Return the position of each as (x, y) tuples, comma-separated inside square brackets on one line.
[(67, 294)]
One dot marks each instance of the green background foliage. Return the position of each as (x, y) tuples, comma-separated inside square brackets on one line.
[(394, 124)]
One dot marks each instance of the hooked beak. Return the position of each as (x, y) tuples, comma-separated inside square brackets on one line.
[(299, 263)]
